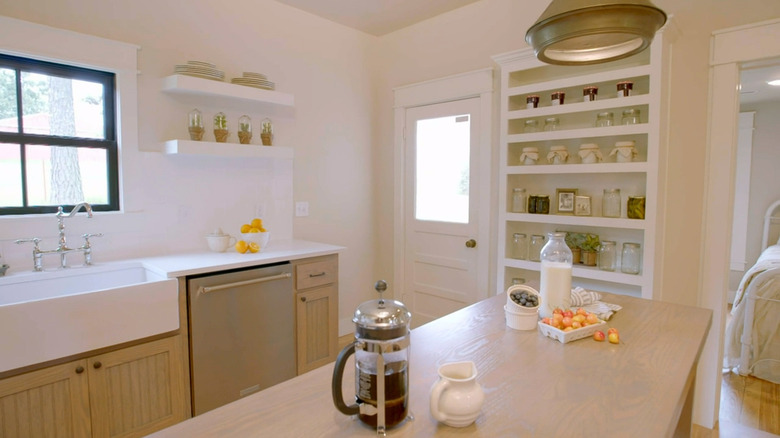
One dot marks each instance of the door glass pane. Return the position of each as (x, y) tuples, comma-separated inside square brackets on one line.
[(66, 175), (442, 174), (62, 106), (9, 120), (10, 176)]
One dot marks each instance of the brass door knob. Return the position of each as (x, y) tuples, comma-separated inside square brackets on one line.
[(97, 365), (471, 243), (79, 369)]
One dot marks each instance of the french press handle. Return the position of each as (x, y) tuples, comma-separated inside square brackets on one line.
[(338, 373)]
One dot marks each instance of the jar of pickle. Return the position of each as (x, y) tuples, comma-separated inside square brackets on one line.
[(519, 200), (543, 204), (610, 203), (607, 255), (629, 260), (532, 203), (519, 246), (635, 207), (535, 248)]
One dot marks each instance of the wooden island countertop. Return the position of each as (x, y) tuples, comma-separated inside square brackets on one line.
[(534, 385)]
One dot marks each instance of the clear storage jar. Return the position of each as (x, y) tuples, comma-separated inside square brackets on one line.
[(604, 119), (610, 203), (551, 124), (607, 253), (630, 117), (535, 248), (519, 246), (519, 200), (530, 126), (629, 260)]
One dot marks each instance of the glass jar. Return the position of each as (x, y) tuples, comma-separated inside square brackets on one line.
[(555, 285), (624, 151), (220, 127), (610, 203), (518, 280), (629, 261), (624, 88), (530, 126), (635, 207), (543, 204), (558, 155), (267, 134), (589, 93), (590, 153), (535, 248), (519, 200), (532, 203), (519, 246), (557, 98), (530, 155), (607, 255), (531, 101), (604, 119), (630, 117), (551, 124)]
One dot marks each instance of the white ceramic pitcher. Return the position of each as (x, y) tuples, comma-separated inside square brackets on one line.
[(457, 398)]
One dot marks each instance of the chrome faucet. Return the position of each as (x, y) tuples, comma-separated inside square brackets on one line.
[(62, 248)]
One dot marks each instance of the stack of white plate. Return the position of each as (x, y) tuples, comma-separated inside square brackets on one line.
[(200, 69), (257, 80)]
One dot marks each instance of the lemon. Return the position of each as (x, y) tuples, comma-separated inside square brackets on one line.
[(241, 246), (245, 228), (263, 230), (254, 247), (257, 223), (254, 230)]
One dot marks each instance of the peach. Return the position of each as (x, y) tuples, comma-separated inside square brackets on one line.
[(599, 336)]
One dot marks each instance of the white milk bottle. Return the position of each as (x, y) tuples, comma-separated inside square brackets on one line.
[(555, 287)]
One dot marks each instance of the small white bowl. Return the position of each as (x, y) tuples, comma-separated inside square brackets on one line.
[(259, 238), (514, 307), (521, 321)]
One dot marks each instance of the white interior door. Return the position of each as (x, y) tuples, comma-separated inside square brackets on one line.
[(442, 231)]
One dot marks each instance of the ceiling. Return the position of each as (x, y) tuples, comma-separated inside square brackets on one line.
[(377, 17), (753, 82)]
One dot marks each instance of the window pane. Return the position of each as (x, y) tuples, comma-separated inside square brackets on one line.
[(9, 119), (66, 175), (442, 182), (62, 106), (10, 176)]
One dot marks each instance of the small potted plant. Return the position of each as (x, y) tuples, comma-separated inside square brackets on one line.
[(589, 247), (196, 125), (244, 129), (573, 242), (267, 135), (220, 128)]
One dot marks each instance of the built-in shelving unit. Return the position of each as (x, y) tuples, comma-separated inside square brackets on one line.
[(522, 75), (228, 95)]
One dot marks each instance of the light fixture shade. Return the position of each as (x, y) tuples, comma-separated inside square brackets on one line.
[(578, 32)]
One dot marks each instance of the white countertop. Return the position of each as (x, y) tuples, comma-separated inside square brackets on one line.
[(192, 263)]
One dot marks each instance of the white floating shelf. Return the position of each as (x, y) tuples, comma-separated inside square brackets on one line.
[(600, 168), (189, 147), (189, 85), (615, 102), (581, 271)]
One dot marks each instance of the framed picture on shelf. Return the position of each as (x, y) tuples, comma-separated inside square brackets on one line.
[(582, 205), (564, 199)]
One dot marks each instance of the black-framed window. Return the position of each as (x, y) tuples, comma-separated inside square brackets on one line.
[(58, 140)]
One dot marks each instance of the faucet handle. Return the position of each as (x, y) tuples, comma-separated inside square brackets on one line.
[(88, 235), (34, 240)]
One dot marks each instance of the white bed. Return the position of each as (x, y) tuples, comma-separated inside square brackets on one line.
[(752, 340)]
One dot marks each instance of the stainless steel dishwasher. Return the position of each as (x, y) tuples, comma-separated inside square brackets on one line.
[(242, 333)]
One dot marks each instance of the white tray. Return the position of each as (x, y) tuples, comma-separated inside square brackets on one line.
[(573, 335)]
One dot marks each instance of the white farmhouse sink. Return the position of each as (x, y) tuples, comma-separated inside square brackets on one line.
[(55, 314)]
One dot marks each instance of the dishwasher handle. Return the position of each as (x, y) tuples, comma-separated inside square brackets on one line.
[(207, 289)]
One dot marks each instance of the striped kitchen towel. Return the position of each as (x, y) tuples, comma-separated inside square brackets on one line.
[(591, 301)]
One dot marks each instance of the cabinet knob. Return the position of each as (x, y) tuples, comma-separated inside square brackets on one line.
[(303, 299), (79, 369), (471, 243), (97, 365)]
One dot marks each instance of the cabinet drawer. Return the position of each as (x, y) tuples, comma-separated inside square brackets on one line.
[(316, 274)]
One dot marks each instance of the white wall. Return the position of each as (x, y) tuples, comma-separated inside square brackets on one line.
[(172, 201)]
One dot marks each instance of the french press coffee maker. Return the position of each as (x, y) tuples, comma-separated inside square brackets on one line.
[(381, 348)]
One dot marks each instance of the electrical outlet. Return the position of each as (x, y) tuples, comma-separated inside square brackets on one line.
[(301, 209), (260, 210)]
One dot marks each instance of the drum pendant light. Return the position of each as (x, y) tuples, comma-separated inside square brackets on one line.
[(578, 32)]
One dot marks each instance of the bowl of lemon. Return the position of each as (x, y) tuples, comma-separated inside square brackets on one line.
[(254, 237)]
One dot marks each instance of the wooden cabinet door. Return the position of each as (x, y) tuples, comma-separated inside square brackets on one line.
[(316, 327), (52, 402), (137, 390)]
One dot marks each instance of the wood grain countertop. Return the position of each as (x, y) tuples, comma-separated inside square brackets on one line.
[(534, 385)]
